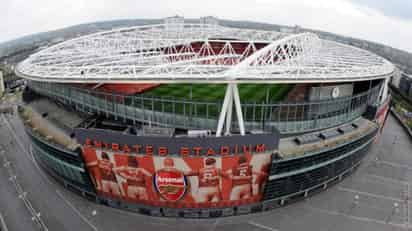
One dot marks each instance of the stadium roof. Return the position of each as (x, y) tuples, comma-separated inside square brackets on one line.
[(178, 52)]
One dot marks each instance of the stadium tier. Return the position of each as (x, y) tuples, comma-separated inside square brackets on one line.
[(201, 120)]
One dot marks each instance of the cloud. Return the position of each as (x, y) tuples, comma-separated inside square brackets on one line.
[(347, 17), (401, 9)]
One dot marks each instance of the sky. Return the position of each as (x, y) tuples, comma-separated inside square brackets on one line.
[(383, 21)]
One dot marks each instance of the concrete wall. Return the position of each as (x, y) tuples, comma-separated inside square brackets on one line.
[(396, 78)]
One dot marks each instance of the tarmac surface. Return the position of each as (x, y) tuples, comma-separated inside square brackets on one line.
[(375, 197)]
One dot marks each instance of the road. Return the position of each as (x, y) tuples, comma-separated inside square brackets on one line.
[(376, 197)]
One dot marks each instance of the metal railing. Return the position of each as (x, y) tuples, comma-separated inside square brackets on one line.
[(287, 117)]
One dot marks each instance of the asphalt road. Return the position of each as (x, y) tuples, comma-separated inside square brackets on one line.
[(376, 197)]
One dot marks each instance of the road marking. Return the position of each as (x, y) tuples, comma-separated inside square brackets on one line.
[(214, 225), (28, 155), (262, 226), (76, 211), (364, 219), (38, 168), (392, 180), (370, 194), (3, 224), (22, 194), (94, 212), (394, 164), (408, 213)]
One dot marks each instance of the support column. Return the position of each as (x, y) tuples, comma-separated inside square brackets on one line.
[(238, 109), (229, 113), (232, 94), (223, 111)]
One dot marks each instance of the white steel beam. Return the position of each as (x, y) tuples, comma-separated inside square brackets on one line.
[(229, 112), (232, 94), (238, 107), (223, 110), (201, 52)]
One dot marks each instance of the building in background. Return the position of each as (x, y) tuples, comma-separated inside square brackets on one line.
[(2, 89), (405, 85)]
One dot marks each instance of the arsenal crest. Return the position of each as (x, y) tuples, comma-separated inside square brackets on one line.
[(171, 185)]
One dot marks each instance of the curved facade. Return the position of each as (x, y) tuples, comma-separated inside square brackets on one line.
[(65, 165), (289, 179), (106, 118)]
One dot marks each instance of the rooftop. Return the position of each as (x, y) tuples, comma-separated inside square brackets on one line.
[(179, 52)]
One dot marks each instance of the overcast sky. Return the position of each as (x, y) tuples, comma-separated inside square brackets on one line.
[(384, 21)]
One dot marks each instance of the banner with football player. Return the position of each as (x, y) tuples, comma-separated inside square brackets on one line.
[(170, 181)]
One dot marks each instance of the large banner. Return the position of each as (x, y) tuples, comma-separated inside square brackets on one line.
[(381, 116), (174, 181), (381, 113)]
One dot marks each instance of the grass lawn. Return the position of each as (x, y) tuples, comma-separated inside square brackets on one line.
[(213, 93), (216, 92)]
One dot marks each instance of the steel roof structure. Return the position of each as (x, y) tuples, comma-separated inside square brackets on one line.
[(178, 52), (175, 52)]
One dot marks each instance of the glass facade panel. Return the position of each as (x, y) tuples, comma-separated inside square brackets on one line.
[(63, 163), (298, 182)]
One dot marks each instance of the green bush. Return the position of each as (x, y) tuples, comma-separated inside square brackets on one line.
[(409, 123), (398, 108)]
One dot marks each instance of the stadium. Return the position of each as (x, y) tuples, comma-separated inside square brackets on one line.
[(201, 120)]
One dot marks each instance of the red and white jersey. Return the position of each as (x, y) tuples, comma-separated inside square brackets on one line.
[(135, 177), (208, 177), (106, 170), (244, 172)]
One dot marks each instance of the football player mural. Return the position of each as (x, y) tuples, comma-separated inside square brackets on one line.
[(176, 181), (135, 177)]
